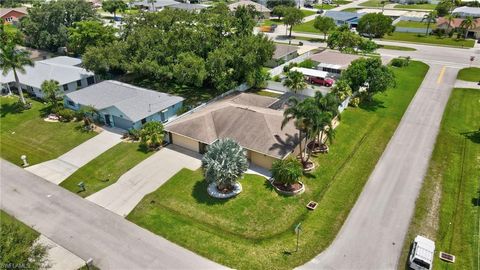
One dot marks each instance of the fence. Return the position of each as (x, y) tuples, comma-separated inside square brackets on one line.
[(278, 70)]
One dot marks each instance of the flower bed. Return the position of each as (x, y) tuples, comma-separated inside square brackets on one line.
[(290, 190)]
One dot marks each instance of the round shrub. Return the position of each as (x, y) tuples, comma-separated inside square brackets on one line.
[(66, 115)]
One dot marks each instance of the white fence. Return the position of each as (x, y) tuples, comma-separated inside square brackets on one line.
[(278, 70)]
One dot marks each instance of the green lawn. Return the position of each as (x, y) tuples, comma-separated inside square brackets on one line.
[(351, 9), (448, 207), (307, 12), (324, 6), (269, 22), (397, 48), (255, 229), (267, 93), (417, 6), (372, 3), (306, 27), (413, 24), (27, 133), (105, 169), (431, 39), (471, 74)]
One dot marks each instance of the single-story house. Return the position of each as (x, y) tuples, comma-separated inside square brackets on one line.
[(408, 2), (282, 54), (463, 12), (311, 72), (258, 7), (392, 13), (333, 62), (123, 105), (414, 16), (344, 17), (13, 15), (244, 117), (65, 70), (156, 5), (188, 7), (443, 23)]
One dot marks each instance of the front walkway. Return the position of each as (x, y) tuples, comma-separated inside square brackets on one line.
[(145, 178), (59, 169)]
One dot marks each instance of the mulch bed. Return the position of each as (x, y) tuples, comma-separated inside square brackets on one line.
[(288, 188)]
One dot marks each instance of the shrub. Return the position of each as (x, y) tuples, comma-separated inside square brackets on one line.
[(307, 64), (151, 135), (400, 62), (66, 115), (20, 107), (354, 102), (276, 78), (289, 66), (183, 110), (134, 134), (287, 171)]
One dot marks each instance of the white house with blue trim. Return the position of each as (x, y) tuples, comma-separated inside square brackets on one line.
[(125, 106)]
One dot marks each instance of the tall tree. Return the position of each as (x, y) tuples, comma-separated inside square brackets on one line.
[(467, 24), (51, 91), (431, 17), (449, 17), (374, 25), (295, 81), (89, 33), (324, 25), (292, 17), (189, 69), (295, 112), (46, 24), (12, 59), (444, 7), (245, 16), (113, 6), (274, 3)]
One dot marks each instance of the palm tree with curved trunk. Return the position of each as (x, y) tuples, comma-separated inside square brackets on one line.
[(14, 60), (296, 113), (328, 103), (295, 81), (449, 17), (431, 17), (467, 24)]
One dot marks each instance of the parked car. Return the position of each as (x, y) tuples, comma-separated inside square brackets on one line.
[(308, 5), (421, 255), (320, 11), (321, 81)]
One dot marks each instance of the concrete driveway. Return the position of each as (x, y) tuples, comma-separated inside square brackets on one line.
[(59, 169), (145, 178), (373, 234)]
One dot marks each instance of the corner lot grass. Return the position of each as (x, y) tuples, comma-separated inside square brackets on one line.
[(306, 27), (448, 207), (110, 165), (307, 12), (431, 39), (255, 229), (27, 133), (417, 6), (372, 3), (471, 74)]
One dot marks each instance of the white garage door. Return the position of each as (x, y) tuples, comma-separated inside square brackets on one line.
[(185, 142)]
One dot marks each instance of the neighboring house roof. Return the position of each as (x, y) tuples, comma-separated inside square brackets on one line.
[(283, 101), (467, 11), (342, 15), (455, 23), (386, 12), (245, 118), (342, 60), (5, 11), (311, 72), (415, 14), (157, 4), (61, 69), (282, 50), (135, 102), (258, 7), (187, 6)]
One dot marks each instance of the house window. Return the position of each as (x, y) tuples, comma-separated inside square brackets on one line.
[(79, 83), (65, 87), (144, 120), (71, 103), (90, 80)]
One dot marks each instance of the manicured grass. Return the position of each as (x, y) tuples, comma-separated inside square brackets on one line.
[(255, 229), (372, 3), (105, 169), (417, 6), (397, 48), (269, 22), (471, 74), (26, 133), (448, 207), (351, 9), (6, 219), (324, 7), (413, 24), (431, 39), (268, 93), (306, 27), (307, 12)]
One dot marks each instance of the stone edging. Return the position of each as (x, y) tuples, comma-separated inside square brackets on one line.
[(213, 191)]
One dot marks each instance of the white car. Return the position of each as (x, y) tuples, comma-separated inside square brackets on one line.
[(421, 256)]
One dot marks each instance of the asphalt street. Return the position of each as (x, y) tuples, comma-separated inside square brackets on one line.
[(373, 234), (87, 229)]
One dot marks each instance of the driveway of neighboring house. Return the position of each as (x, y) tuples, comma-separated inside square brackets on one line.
[(59, 169), (145, 178), (465, 84)]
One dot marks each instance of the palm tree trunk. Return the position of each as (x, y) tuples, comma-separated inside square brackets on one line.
[(20, 92), (300, 146), (290, 34), (428, 26)]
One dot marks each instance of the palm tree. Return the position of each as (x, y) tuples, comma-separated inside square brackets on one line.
[(50, 90), (224, 163), (449, 17), (151, 135), (328, 103), (295, 112), (467, 24), (14, 60), (431, 17), (295, 81), (287, 171)]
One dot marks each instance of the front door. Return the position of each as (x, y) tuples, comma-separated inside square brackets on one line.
[(107, 120)]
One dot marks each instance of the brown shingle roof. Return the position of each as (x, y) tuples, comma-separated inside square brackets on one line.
[(244, 118), (282, 50), (335, 58)]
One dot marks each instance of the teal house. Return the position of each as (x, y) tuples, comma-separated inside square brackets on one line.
[(123, 105)]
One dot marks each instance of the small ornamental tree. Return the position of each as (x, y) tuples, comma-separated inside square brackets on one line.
[(224, 163), (51, 92), (287, 171), (151, 135)]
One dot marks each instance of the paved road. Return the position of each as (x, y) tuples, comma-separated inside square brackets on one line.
[(89, 230), (144, 178), (373, 234), (59, 169)]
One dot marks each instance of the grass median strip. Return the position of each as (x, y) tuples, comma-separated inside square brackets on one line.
[(448, 207), (471, 74), (105, 169), (433, 40), (397, 48), (259, 223)]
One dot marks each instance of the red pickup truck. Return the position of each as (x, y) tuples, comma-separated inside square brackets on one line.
[(321, 81)]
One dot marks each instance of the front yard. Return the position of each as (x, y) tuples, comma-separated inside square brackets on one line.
[(26, 133), (105, 169), (417, 6), (255, 229), (413, 24), (431, 39), (471, 74), (448, 207)]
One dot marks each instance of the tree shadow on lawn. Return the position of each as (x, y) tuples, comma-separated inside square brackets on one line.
[(199, 192), (473, 136), (372, 105), (9, 108)]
